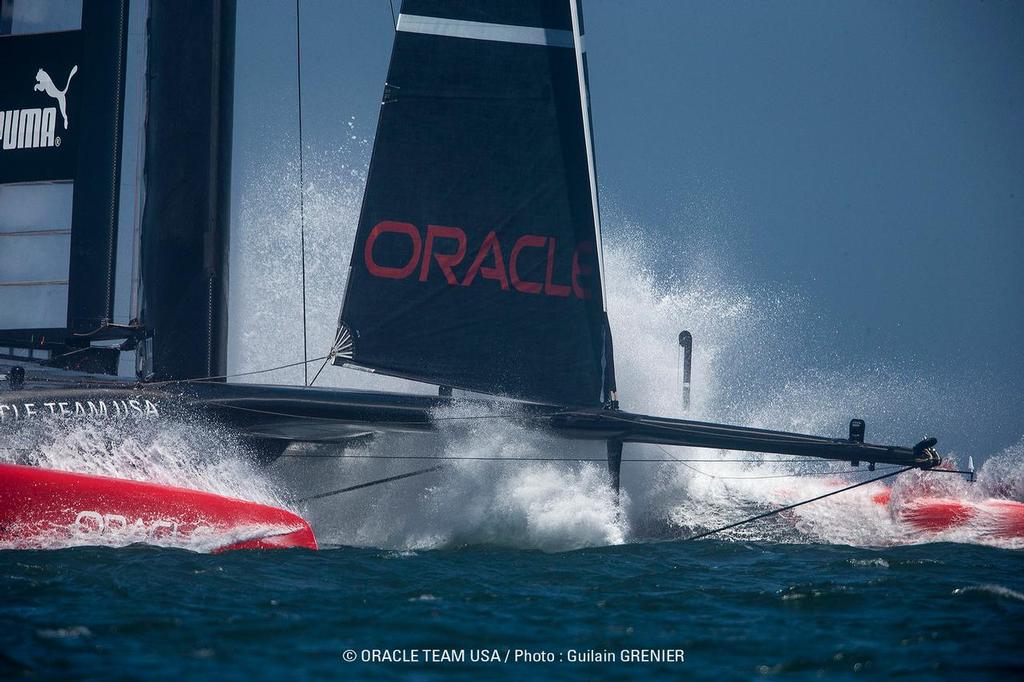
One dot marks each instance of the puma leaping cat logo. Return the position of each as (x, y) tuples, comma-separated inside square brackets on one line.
[(45, 84)]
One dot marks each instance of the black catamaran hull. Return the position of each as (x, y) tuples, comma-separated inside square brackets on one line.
[(284, 414)]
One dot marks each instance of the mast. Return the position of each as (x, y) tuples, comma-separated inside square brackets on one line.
[(98, 176), (186, 220), (588, 133)]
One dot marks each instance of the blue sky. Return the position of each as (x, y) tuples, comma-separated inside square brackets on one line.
[(866, 157)]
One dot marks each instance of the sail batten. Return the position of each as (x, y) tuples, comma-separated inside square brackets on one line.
[(477, 260)]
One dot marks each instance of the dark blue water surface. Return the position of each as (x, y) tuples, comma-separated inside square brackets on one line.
[(737, 610)]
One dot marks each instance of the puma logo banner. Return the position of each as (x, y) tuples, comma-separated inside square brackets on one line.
[(31, 128), (45, 84), (41, 91)]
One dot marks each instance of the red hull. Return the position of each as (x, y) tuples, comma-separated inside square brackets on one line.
[(43, 508), (1001, 518)]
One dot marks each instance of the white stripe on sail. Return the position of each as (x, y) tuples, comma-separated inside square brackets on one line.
[(478, 30)]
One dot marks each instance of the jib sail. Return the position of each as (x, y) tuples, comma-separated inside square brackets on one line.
[(477, 261)]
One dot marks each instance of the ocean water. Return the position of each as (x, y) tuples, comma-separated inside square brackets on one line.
[(737, 610)]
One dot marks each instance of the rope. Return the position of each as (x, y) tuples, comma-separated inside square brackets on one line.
[(798, 504), (342, 346), (302, 192), (424, 422), (368, 484), (219, 377), (224, 376), (418, 472), (509, 460), (483, 458), (394, 21), (317, 375)]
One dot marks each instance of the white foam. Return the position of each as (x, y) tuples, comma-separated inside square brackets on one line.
[(191, 454), (995, 590)]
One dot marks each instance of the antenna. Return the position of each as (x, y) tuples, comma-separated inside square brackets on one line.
[(302, 192), (686, 344)]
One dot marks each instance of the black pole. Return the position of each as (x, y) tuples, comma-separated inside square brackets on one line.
[(686, 343), (186, 220), (94, 212), (615, 463), (16, 377)]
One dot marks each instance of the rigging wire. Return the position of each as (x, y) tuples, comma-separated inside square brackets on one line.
[(368, 484), (773, 512), (394, 21), (793, 474), (317, 375), (220, 377), (768, 461), (197, 380), (449, 458), (302, 191), (683, 463), (418, 472), (674, 460), (421, 422), (481, 458)]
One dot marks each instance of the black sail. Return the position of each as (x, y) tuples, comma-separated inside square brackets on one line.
[(477, 261)]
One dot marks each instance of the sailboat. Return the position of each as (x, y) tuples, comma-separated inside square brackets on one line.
[(477, 265)]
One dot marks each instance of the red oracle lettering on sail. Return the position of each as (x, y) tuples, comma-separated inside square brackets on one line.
[(445, 261), (443, 249), (582, 269), (392, 227), (491, 247), (527, 241), (550, 288)]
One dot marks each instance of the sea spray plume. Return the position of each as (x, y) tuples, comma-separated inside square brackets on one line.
[(544, 506), (745, 371), (191, 453), (541, 505), (547, 505), (266, 261), (1002, 475), (647, 314)]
